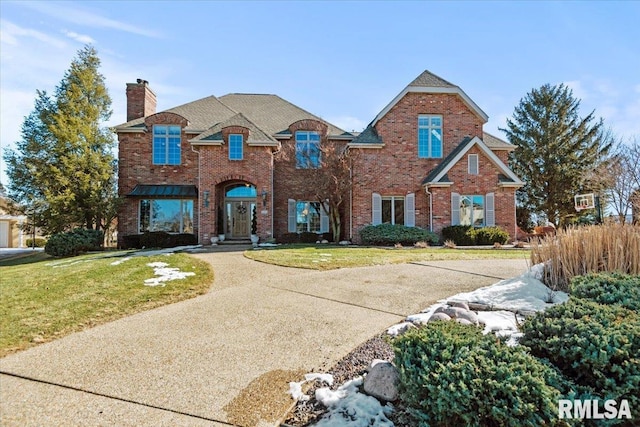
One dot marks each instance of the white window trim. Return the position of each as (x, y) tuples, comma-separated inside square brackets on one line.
[(166, 153), (473, 165), (429, 127), (307, 148), (241, 146)]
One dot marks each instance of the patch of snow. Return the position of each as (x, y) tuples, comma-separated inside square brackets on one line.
[(396, 329), (523, 293), (120, 261), (295, 388), (347, 407), (268, 245), (164, 274)]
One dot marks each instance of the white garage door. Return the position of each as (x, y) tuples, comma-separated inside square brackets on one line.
[(4, 234)]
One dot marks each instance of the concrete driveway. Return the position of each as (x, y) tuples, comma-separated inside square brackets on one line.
[(224, 358)]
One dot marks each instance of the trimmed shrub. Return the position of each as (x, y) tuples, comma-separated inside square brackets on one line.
[(466, 235), (489, 236), (608, 288), (162, 239), (304, 237), (40, 242), (458, 234), (131, 241), (390, 234), (74, 242), (452, 374), (596, 345)]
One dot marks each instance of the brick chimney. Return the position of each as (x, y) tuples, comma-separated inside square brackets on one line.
[(141, 101)]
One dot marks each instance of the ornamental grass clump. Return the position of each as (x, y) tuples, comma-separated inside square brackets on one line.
[(453, 375), (583, 250)]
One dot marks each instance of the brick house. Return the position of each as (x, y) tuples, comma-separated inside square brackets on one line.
[(210, 166)]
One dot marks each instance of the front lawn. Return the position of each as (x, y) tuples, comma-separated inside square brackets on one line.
[(46, 299), (325, 257)]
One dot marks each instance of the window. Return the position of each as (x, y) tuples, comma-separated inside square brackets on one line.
[(472, 210), (170, 215), (308, 217), (393, 210), (429, 136), (235, 147), (399, 210), (166, 145), (307, 150), (472, 163), (305, 216)]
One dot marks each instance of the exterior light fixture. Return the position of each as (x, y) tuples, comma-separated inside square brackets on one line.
[(206, 199), (264, 197)]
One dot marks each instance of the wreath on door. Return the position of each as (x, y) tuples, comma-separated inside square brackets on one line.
[(242, 209)]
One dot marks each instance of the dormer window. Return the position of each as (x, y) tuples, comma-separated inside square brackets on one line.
[(235, 146), (429, 136), (307, 150), (166, 145)]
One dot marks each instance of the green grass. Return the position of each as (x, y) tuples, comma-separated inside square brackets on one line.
[(332, 257), (44, 299)]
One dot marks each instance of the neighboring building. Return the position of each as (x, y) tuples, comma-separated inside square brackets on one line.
[(423, 161), (11, 234)]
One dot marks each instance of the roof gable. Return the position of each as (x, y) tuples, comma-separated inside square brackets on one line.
[(438, 176), (214, 134), (428, 82)]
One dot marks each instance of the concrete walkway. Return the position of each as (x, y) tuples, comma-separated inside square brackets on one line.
[(187, 364)]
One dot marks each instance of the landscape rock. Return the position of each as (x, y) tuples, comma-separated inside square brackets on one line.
[(459, 304), (382, 381), (461, 313), (439, 316), (400, 328), (463, 321)]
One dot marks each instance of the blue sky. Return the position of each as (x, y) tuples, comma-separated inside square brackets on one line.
[(343, 61)]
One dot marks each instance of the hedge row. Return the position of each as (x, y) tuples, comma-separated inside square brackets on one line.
[(390, 234), (158, 239), (74, 242), (465, 235)]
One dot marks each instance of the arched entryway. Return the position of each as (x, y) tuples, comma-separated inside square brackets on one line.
[(239, 209)]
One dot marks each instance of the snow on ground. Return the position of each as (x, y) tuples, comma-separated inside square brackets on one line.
[(347, 407), (164, 274), (295, 388)]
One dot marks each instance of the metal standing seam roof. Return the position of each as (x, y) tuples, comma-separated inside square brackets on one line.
[(167, 191)]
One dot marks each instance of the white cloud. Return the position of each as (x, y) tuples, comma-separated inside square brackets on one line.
[(15, 35), (577, 88), (73, 13), (79, 37)]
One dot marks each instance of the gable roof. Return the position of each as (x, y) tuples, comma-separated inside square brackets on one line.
[(496, 143), (438, 176), (428, 82), (214, 134), (272, 113)]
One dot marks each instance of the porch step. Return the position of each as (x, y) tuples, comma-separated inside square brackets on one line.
[(237, 242)]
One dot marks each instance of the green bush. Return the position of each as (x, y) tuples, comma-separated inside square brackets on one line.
[(162, 239), (466, 235), (596, 345), (390, 234), (452, 374), (608, 288), (40, 242), (74, 242), (489, 236), (459, 234), (304, 237), (131, 241)]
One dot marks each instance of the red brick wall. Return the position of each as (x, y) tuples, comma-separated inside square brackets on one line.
[(217, 172), (135, 158), (396, 170)]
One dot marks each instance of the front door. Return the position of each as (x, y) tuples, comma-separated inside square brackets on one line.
[(239, 214)]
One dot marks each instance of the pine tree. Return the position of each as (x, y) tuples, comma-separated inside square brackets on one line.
[(64, 164), (555, 148)]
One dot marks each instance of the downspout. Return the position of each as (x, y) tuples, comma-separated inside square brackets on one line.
[(273, 155), (351, 201), (426, 190), (199, 189)]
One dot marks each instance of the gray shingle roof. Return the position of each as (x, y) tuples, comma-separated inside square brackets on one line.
[(256, 135), (428, 79), (494, 142), (445, 163), (271, 113), (203, 113), (368, 136)]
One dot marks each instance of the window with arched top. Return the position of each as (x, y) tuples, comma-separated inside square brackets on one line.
[(240, 191)]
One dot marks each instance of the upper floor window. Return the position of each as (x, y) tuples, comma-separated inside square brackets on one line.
[(472, 164), (166, 145), (307, 150), (235, 146), (429, 136)]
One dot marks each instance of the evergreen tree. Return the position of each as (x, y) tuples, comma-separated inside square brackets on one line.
[(555, 148), (63, 167)]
